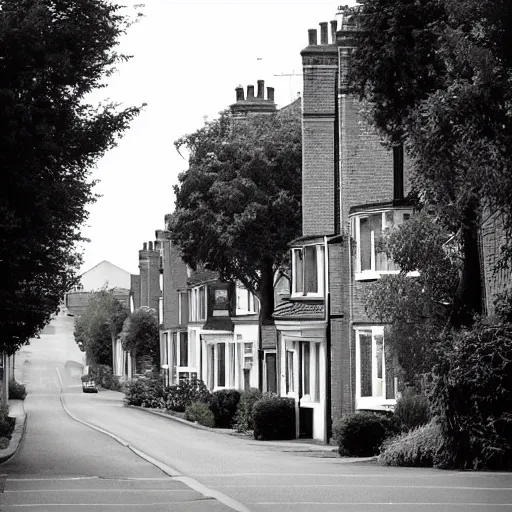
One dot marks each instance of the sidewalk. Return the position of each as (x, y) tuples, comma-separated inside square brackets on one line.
[(16, 410)]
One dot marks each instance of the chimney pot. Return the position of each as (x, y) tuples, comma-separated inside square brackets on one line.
[(334, 27), (239, 93), (323, 33), (312, 35), (150, 246), (270, 93), (145, 246), (261, 89), (250, 92)]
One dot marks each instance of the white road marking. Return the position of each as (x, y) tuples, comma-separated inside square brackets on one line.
[(60, 379), (394, 504), (456, 488), (95, 490)]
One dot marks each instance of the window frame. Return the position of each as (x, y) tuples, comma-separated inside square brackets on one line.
[(320, 271), (197, 304), (373, 272), (374, 401)]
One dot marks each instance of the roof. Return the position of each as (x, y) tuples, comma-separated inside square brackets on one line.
[(300, 309), (101, 263), (223, 323), (202, 276)]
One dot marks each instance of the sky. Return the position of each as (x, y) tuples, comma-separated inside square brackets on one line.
[(188, 57)]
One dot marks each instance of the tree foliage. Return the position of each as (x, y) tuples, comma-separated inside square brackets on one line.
[(437, 74), (239, 203), (53, 54), (97, 329), (416, 308), (140, 334)]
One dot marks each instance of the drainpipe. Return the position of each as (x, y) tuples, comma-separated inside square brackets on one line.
[(327, 316)]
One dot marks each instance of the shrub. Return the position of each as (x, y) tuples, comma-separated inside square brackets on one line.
[(361, 434), (17, 391), (223, 406), (274, 418), (412, 410), (419, 447), (472, 396), (243, 417), (6, 422), (200, 412), (145, 392), (180, 396)]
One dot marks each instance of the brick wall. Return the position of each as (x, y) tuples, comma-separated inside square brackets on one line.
[(492, 238), (149, 272), (135, 290)]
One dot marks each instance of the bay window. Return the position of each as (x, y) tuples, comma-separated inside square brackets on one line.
[(308, 270), (369, 230), (197, 304)]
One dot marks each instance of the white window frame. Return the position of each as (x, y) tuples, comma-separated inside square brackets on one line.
[(194, 306), (372, 402), (160, 310), (373, 273), (252, 301), (320, 268)]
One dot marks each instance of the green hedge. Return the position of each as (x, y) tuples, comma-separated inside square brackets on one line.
[(361, 434), (472, 396), (17, 391), (223, 405), (244, 418), (419, 447), (180, 396), (145, 392), (274, 418), (6, 422), (200, 412), (412, 410)]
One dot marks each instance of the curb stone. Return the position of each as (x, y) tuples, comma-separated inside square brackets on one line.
[(345, 460), (17, 436)]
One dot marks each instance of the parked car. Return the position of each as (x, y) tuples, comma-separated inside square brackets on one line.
[(89, 386)]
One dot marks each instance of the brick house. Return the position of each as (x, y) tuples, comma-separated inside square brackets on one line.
[(331, 356)]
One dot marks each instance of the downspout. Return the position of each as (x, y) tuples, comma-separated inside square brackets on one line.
[(327, 317)]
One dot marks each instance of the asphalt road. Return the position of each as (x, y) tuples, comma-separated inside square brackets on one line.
[(260, 476), (63, 465)]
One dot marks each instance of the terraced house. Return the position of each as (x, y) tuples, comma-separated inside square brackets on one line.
[(331, 355)]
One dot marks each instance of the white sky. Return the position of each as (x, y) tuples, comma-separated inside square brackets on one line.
[(188, 57)]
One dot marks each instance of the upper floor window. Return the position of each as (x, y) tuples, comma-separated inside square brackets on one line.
[(246, 302), (308, 270), (369, 230), (197, 304)]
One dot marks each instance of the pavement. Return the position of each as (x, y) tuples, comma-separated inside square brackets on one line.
[(16, 410)]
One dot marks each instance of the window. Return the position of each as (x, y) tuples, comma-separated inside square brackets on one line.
[(232, 364), (375, 382), (306, 369), (160, 310), (197, 304), (317, 372), (289, 371), (308, 270), (221, 364), (369, 230), (246, 302), (271, 372), (183, 349)]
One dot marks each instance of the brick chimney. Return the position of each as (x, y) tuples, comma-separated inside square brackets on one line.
[(261, 89), (250, 92), (312, 37), (323, 33)]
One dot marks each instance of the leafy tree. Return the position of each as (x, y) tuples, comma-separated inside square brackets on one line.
[(53, 54), (416, 308), (437, 76), (239, 203), (140, 335), (98, 328)]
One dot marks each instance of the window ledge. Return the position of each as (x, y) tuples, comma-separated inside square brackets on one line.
[(373, 275), (309, 296)]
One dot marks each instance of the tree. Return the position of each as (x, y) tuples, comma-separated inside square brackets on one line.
[(97, 329), (416, 308), (140, 335), (239, 203), (53, 54), (437, 76)]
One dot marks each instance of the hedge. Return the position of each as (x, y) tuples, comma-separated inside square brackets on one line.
[(274, 418), (223, 405), (244, 417), (200, 412)]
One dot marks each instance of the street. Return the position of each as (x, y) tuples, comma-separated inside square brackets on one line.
[(66, 465)]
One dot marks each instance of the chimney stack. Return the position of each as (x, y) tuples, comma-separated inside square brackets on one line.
[(312, 37), (145, 246), (261, 89), (239, 93), (250, 92), (323, 33), (150, 246), (334, 27), (270, 93)]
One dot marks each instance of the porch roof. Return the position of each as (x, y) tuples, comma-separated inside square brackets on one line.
[(300, 309)]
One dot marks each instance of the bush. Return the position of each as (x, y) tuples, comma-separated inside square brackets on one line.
[(419, 447), (180, 396), (412, 410), (223, 406), (17, 391), (274, 418), (243, 417), (145, 392), (200, 412), (6, 422), (361, 434), (472, 396)]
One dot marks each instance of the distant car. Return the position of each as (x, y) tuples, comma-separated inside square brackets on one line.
[(89, 386)]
